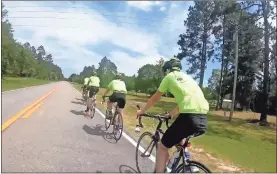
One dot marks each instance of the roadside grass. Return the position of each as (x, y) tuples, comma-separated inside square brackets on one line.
[(10, 83), (250, 147)]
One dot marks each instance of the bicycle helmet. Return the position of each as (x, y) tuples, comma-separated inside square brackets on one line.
[(93, 73), (118, 76), (171, 65)]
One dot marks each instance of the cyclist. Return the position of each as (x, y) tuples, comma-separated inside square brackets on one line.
[(192, 109), (118, 87), (93, 86), (84, 87)]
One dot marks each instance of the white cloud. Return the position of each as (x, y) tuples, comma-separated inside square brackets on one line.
[(144, 5), (163, 8), (91, 28)]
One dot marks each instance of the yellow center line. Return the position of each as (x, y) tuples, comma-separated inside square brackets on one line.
[(28, 114), (26, 109)]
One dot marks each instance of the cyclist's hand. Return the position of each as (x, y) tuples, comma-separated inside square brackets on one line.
[(168, 115), (139, 113)]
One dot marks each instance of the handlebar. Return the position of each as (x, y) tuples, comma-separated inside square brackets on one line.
[(103, 99), (160, 117)]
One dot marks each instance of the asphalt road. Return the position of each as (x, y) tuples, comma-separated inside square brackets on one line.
[(57, 137)]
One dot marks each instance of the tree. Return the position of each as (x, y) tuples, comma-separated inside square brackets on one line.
[(265, 11), (213, 82), (106, 71), (195, 44)]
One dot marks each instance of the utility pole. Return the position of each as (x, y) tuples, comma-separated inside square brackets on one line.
[(236, 69)]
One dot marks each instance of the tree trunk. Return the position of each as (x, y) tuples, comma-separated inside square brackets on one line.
[(263, 117), (222, 64), (203, 60)]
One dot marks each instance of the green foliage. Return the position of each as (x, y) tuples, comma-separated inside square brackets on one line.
[(24, 60)]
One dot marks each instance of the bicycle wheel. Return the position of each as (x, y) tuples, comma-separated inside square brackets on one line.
[(145, 160), (192, 165), (107, 121), (117, 126)]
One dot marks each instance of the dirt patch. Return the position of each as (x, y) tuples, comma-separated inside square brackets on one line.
[(213, 163)]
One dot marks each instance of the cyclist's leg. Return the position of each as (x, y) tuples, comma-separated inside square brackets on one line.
[(90, 92), (180, 129), (121, 101), (110, 102), (95, 91)]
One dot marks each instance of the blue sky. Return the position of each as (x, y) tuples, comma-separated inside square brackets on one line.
[(78, 34)]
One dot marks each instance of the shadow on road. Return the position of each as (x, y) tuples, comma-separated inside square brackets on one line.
[(126, 169), (99, 130), (80, 103), (80, 99), (77, 112)]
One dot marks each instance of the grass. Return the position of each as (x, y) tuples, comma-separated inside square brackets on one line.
[(10, 83), (249, 146)]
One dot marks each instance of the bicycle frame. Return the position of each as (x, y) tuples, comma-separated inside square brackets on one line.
[(156, 138)]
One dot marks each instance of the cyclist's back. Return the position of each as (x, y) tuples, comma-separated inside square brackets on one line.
[(187, 93)]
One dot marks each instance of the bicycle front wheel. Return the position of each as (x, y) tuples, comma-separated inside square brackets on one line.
[(117, 126), (145, 151), (192, 167)]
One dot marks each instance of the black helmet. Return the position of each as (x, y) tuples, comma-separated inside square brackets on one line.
[(118, 76), (93, 73), (172, 64)]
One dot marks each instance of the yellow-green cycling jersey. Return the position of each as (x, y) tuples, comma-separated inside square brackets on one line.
[(86, 81), (117, 86), (187, 93), (94, 81)]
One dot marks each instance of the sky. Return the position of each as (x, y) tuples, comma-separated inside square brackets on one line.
[(78, 34)]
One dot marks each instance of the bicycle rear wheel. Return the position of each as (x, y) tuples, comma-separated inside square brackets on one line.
[(107, 121), (192, 165), (117, 126), (145, 160), (92, 112)]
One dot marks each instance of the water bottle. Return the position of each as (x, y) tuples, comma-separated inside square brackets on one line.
[(172, 160)]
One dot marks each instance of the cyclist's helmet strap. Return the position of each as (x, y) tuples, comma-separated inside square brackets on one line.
[(173, 64)]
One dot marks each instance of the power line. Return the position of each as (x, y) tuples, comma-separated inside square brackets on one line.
[(44, 26), (89, 9), (121, 22)]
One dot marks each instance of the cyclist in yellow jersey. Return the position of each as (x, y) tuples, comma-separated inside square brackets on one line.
[(118, 87), (85, 84), (192, 109), (93, 87)]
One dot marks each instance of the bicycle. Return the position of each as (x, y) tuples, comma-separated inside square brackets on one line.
[(186, 164), (85, 93), (92, 106), (116, 119)]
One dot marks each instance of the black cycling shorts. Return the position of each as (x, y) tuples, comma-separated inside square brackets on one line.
[(119, 98), (185, 125), (93, 90)]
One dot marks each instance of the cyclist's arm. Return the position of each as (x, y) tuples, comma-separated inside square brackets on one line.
[(152, 101), (174, 112), (106, 92), (156, 97)]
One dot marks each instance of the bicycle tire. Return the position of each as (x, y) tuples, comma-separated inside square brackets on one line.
[(140, 143), (107, 121), (120, 124), (193, 163)]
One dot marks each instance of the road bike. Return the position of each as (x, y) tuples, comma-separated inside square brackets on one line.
[(92, 105), (85, 93), (186, 166), (116, 119)]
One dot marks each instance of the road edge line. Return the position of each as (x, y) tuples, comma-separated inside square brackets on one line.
[(127, 137)]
